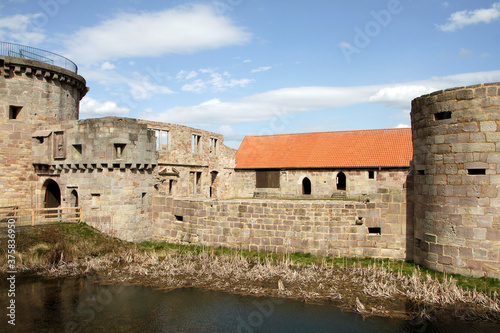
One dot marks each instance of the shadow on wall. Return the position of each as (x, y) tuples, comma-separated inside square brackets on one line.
[(410, 237)]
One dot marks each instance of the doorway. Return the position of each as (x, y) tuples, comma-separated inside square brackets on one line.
[(306, 186), (341, 181), (52, 194)]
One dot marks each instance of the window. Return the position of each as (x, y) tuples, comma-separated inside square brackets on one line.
[(442, 115), (371, 174), (375, 230), (196, 144), (77, 152), (96, 200), (214, 147), (119, 150), (421, 172), (14, 111), (267, 179), (171, 186), (195, 182), (143, 198), (476, 171), (162, 139)]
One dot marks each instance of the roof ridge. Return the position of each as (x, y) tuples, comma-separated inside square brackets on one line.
[(324, 132)]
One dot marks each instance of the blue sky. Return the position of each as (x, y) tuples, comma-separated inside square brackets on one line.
[(252, 67)]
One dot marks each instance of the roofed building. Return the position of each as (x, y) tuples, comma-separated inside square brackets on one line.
[(327, 164)]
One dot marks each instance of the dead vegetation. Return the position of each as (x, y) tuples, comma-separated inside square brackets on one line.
[(377, 288)]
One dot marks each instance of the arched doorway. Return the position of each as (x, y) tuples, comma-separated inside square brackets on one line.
[(306, 186), (73, 199), (52, 194), (341, 181)]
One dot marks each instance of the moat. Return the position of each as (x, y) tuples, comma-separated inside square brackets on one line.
[(81, 305)]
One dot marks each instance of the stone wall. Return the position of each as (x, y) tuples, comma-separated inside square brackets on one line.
[(112, 173), (456, 141), (334, 228), (323, 182), (33, 93)]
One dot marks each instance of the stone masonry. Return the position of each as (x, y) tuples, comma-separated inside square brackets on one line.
[(456, 141), (140, 180)]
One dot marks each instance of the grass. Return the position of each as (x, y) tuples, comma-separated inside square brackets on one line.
[(68, 241)]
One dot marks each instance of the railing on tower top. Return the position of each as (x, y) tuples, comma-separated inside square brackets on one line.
[(32, 53)]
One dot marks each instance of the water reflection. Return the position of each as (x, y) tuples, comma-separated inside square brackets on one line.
[(78, 305)]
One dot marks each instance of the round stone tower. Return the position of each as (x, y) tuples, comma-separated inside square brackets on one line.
[(456, 160), (36, 88)]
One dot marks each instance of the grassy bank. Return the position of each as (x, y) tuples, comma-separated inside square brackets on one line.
[(368, 286)]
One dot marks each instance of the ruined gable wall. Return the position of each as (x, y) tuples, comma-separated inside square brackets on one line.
[(178, 155)]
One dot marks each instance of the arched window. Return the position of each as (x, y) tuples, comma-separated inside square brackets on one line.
[(341, 181), (306, 186)]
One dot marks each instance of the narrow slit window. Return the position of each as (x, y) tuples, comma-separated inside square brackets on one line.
[(14, 111), (143, 198), (371, 174), (442, 115), (476, 171), (421, 172), (179, 218)]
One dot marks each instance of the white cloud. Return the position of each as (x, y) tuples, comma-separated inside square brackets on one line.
[(247, 61), (21, 29), (403, 126), (261, 69), (212, 81), (397, 97), (155, 34), (461, 19), (283, 102), (90, 106), (107, 66), (464, 53)]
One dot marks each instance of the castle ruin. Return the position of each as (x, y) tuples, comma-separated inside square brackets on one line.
[(140, 180)]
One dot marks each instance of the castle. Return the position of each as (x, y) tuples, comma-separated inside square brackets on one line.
[(429, 194)]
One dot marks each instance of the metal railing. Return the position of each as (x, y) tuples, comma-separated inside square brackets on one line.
[(37, 216), (32, 53)]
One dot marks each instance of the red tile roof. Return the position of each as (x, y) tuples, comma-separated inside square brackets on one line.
[(357, 149)]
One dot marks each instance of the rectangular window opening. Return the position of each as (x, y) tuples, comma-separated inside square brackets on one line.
[(476, 171), (214, 146), (143, 198), (421, 172), (119, 150), (371, 174), (96, 200), (14, 111), (179, 218), (442, 115), (196, 144), (267, 179), (375, 230), (77, 151), (170, 186)]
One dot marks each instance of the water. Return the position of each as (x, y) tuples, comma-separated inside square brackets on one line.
[(78, 305)]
